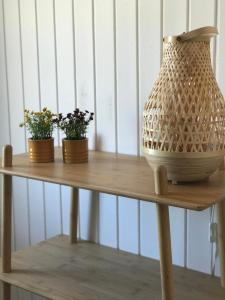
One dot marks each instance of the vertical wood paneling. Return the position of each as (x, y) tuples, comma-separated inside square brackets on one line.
[(32, 101), (105, 108), (127, 112), (84, 60), (16, 106), (105, 93), (174, 26), (14, 73), (4, 120), (36, 212), (221, 47), (83, 15), (65, 58), (149, 64), (20, 208), (53, 211), (64, 35), (220, 69), (49, 98), (126, 76), (198, 245), (202, 13)]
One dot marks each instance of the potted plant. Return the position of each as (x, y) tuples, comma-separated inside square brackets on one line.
[(75, 144), (40, 126)]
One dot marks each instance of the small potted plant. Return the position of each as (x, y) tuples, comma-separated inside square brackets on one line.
[(40, 126), (75, 144)]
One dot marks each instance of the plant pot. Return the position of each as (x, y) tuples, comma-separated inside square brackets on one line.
[(41, 151), (75, 151)]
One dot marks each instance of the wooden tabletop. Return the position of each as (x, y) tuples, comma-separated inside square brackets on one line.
[(122, 175)]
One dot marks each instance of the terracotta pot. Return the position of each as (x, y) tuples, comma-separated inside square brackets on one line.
[(41, 151), (75, 151)]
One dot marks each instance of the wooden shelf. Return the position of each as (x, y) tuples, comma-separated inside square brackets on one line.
[(122, 175), (56, 270)]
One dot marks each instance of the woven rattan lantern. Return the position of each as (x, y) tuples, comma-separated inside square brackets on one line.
[(184, 118)]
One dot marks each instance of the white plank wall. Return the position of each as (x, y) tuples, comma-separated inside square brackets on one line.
[(199, 249), (149, 46), (100, 55)]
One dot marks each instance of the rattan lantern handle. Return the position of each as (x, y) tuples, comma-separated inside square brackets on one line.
[(200, 34)]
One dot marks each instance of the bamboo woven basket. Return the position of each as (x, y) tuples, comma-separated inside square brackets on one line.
[(184, 118)]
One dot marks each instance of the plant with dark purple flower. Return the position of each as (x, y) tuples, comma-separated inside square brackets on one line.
[(74, 124)]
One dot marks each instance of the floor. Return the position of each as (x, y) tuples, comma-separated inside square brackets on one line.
[(86, 271)]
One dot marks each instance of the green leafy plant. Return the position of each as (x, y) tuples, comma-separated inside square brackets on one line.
[(75, 124), (39, 124)]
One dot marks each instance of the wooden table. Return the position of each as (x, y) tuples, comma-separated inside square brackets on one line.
[(122, 175)]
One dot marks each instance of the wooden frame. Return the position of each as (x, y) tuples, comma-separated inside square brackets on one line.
[(6, 211), (6, 291), (162, 192), (74, 214)]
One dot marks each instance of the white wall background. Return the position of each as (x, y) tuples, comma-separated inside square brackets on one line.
[(103, 55)]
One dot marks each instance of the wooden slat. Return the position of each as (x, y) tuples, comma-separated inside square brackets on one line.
[(149, 38), (32, 100), (123, 175), (49, 98), (127, 103), (57, 270), (85, 88), (174, 26), (6, 218), (198, 246)]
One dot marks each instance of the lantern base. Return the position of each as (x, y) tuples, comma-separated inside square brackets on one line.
[(185, 167)]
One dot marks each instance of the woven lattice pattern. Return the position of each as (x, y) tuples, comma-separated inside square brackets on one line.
[(186, 110)]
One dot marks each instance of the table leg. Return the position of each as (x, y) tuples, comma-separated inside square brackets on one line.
[(166, 268), (6, 211), (165, 252), (221, 238), (6, 291), (74, 215)]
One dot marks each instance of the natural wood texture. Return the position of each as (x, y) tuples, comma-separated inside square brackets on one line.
[(179, 130), (222, 166), (165, 252), (123, 175), (5, 292), (7, 156), (221, 239), (160, 180), (74, 214), (6, 218), (60, 271), (164, 236), (200, 34)]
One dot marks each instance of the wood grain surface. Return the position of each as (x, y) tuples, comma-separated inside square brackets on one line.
[(123, 175), (57, 270)]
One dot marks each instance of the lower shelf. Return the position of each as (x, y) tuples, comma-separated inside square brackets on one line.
[(86, 271)]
